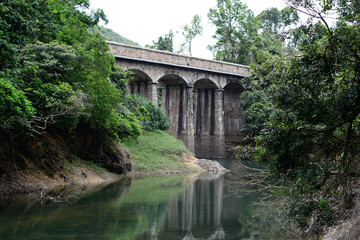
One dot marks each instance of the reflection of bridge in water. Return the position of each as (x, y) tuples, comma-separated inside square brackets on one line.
[(201, 97), (207, 210), (198, 213)]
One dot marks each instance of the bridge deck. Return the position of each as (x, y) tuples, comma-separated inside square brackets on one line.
[(163, 57)]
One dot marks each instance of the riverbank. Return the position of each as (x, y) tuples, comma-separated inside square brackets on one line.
[(33, 168), (159, 153), (347, 228)]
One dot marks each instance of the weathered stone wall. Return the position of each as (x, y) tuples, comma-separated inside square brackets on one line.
[(178, 59)]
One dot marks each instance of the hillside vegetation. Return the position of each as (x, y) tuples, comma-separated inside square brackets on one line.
[(62, 97), (110, 35)]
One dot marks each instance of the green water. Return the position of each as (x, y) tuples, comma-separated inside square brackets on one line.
[(164, 207)]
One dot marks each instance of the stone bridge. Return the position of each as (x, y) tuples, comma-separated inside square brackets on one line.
[(200, 97)]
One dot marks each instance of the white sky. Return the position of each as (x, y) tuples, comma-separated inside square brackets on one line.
[(143, 21)]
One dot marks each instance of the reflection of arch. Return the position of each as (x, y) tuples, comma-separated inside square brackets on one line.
[(205, 84)]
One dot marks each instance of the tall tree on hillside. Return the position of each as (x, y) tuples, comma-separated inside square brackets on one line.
[(237, 32), (190, 32)]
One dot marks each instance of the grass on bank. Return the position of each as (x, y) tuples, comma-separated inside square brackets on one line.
[(157, 151)]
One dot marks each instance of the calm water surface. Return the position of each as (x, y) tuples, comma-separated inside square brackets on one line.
[(166, 207)]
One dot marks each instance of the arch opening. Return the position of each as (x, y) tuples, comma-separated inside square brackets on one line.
[(173, 94), (141, 84), (207, 126), (205, 84)]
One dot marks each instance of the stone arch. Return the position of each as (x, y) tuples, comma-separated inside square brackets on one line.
[(176, 99), (233, 117), (171, 90), (172, 80), (234, 87), (142, 84), (208, 136), (205, 83)]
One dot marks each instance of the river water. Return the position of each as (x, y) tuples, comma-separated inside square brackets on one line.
[(161, 207)]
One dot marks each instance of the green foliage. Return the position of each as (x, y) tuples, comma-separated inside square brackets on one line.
[(54, 71), (311, 134), (46, 76), (190, 32), (164, 43), (120, 78), (257, 109), (276, 21), (110, 35), (244, 38), (237, 32), (151, 117), (15, 108)]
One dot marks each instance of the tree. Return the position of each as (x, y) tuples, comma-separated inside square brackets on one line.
[(237, 32), (278, 37), (312, 136), (275, 21), (56, 72), (164, 43), (190, 32)]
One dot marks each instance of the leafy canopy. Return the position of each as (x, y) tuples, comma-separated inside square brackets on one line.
[(53, 71), (311, 136)]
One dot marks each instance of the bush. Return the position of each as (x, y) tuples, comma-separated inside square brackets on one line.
[(15, 108), (150, 116)]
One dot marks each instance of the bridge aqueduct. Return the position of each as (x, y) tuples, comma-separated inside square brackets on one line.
[(201, 97)]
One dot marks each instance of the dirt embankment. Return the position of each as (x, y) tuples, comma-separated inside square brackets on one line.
[(348, 228), (35, 164)]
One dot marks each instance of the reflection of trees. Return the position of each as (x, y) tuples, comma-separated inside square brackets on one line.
[(262, 216), (123, 210), (163, 207)]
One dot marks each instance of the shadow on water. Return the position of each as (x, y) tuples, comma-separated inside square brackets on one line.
[(161, 207)]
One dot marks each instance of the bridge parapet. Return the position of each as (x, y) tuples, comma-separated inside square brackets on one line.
[(119, 49)]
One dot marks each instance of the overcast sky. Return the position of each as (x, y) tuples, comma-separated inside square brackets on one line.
[(143, 21)]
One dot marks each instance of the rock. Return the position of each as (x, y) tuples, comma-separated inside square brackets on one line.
[(211, 166), (117, 159)]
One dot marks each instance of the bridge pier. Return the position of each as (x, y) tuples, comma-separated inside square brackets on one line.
[(233, 118)]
